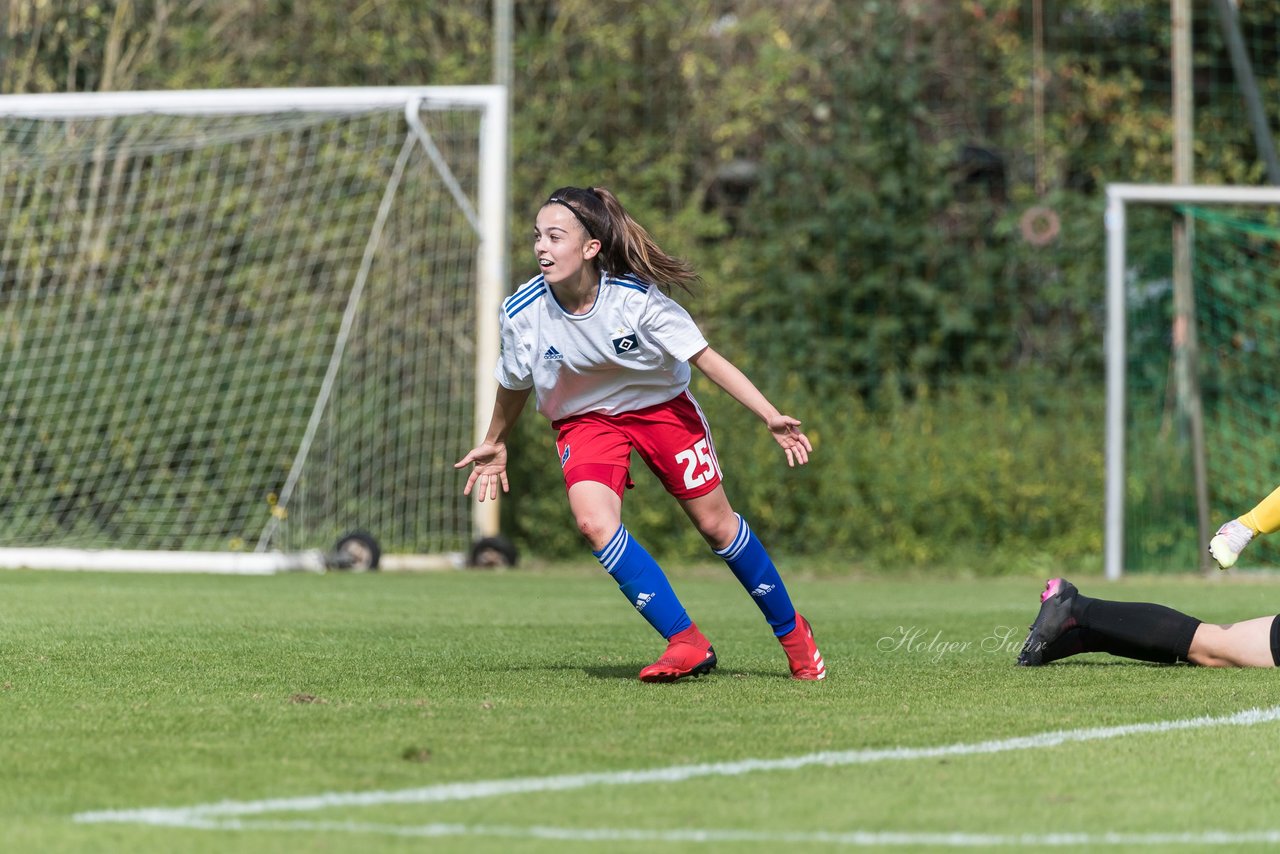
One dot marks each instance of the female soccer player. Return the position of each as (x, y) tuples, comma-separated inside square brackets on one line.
[(1236, 534), (1069, 624), (596, 337)]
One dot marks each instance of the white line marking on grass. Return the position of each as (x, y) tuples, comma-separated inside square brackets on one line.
[(199, 815), (854, 838)]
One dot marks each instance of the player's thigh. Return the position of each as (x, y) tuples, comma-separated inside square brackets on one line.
[(674, 440), (597, 510), (594, 448)]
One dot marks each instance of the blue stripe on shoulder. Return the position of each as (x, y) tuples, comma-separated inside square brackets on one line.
[(630, 281), (528, 294)]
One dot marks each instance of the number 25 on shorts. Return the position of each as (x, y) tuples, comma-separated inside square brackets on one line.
[(699, 464)]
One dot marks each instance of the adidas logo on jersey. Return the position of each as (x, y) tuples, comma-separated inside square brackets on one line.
[(643, 599), (763, 590), (552, 355)]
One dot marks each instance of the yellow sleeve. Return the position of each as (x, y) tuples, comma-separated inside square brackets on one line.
[(1265, 518)]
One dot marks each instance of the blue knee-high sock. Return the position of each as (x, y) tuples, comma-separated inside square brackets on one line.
[(753, 567), (643, 583)]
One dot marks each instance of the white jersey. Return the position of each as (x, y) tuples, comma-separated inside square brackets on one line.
[(629, 351)]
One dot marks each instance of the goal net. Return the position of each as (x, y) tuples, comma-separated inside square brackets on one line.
[(1154, 509), (239, 323)]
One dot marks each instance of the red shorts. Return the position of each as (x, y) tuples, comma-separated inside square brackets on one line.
[(672, 438)]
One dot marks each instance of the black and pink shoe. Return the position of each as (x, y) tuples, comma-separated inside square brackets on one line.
[(1053, 620)]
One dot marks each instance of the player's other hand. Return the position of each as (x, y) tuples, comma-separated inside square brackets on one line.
[(786, 431), (489, 470)]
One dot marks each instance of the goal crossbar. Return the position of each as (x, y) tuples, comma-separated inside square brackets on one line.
[(491, 99)]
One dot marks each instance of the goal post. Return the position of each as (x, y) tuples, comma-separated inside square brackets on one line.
[(238, 325), (1220, 281)]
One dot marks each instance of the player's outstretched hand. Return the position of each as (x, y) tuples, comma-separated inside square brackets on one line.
[(786, 430), (489, 472)]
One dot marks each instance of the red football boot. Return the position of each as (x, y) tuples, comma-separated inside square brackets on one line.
[(688, 653), (802, 653)]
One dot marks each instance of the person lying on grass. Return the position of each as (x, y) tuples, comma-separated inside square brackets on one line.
[(1069, 624)]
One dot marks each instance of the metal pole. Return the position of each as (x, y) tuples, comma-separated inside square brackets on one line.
[(493, 274), (1230, 21), (1113, 546), (1185, 338), (486, 516)]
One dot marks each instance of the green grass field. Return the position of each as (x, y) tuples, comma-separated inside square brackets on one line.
[(500, 712)]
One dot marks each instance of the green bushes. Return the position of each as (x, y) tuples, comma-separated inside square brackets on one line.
[(982, 477)]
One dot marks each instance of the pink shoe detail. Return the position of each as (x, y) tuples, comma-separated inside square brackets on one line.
[(1051, 588)]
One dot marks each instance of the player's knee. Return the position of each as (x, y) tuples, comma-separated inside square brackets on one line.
[(596, 530), (1203, 658), (1235, 645), (720, 532), (717, 525), (1209, 647)]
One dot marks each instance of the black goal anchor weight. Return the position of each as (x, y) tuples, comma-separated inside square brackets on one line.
[(356, 551), (491, 553)]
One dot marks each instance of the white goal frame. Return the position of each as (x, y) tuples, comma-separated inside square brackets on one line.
[(488, 216), (1119, 197)]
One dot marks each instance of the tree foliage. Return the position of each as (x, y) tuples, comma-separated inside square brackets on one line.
[(853, 180)]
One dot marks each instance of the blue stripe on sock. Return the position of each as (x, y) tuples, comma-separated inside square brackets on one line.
[(609, 555), (754, 569), (644, 583), (740, 540)]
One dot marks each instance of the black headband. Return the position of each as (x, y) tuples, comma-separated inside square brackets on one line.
[(559, 201)]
